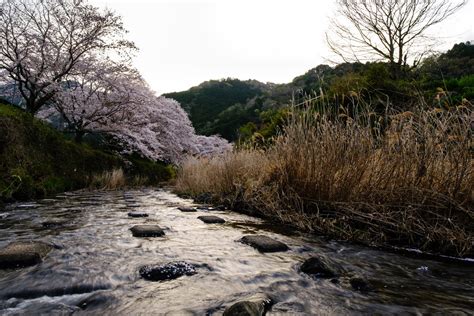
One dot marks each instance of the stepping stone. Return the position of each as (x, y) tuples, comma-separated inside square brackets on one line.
[(137, 214), (169, 271), (187, 209), (254, 306), (264, 243), (23, 254), (147, 231), (211, 219), (56, 222), (314, 266)]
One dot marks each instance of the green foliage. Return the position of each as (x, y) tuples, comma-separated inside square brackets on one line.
[(207, 102), (155, 172)]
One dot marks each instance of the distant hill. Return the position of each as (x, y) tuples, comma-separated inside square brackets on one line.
[(207, 104), (231, 107)]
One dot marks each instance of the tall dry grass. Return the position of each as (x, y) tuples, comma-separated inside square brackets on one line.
[(401, 179), (109, 180)]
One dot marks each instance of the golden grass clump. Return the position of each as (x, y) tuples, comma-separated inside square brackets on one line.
[(404, 179), (109, 180)]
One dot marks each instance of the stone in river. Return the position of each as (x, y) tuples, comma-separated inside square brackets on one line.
[(147, 231), (211, 219), (254, 306), (264, 243), (187, 209), (23, 254), (137, 214), (168, 271), (317, 267)]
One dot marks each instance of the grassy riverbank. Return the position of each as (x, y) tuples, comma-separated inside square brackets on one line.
[(403, 179), (37, 161)]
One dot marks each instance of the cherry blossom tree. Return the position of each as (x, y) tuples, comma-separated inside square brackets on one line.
[(69, 59), (99, 95), (105, 97), (43, 41), (163, 131), (212, 145)]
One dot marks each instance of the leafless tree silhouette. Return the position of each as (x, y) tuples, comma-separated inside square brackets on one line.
[(393, 31)]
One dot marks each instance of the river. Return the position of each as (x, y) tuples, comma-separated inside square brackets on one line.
[(93, 268)]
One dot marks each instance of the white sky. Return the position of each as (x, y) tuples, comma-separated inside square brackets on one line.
[(185, 42)]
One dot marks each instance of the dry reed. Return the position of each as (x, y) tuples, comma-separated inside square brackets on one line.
[(404, 179), (109, 180)]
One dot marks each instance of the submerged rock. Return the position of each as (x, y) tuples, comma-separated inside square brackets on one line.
[(96, 301), (147, 231), (187, 209), (56, 290), (23, 254), (211, 219), (254, 306), (264, 243), (360, 284), (137, 214), (169, 271), (56, 222), (315, 266), (134, 205)]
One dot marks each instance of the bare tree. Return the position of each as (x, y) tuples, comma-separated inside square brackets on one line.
[(390, 30), (42, 41)]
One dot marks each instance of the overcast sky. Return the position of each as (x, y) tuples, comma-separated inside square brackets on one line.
[(185, 42)]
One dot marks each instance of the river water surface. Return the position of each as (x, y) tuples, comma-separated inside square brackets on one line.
[(93, 268)]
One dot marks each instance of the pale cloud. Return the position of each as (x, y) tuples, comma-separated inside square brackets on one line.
[(184, 42)]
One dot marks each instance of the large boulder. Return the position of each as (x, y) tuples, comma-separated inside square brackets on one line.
[(316, 267), (209, 219), (23, 254), (254, 306), (147, 231), (168, 271), (264, 243)]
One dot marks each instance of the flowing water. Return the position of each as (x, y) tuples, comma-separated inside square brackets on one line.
[(93, 268)]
